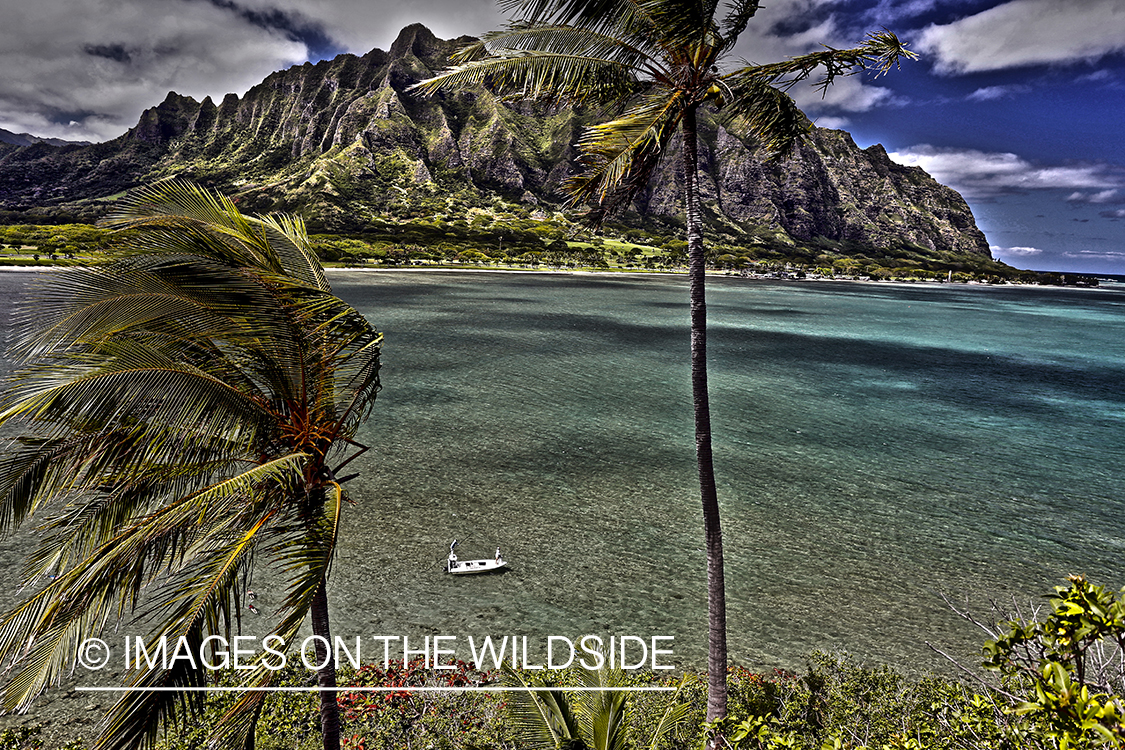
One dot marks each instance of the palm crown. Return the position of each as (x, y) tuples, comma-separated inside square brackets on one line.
[(658, 60), (179, 411)]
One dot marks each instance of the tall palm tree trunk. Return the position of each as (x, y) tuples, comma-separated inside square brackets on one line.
[(716, 593), (326, 675)]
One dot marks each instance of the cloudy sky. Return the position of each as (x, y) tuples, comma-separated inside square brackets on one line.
[(1018, 104)]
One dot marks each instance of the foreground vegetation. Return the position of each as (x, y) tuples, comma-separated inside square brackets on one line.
[(531, 240), (1052, 680)]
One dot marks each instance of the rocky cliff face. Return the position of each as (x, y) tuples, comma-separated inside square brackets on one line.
[(342, 142)]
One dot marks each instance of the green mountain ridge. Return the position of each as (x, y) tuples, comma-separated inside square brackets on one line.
[(342, 143), (27, 139)]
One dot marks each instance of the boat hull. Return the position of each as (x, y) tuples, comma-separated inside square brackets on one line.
[(467, 567)]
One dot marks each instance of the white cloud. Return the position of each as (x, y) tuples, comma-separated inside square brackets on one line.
[(833, 123), (86, 69), (1116, 257), (1113, 195), (890, 11), (1097, 76), (977, 174), (1027, 32), (993, 93), (1014, 252), (845, 95), (759, 42)]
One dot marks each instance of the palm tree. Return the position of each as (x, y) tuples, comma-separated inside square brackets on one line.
[(595, 719), (660, 62), (182, 412)]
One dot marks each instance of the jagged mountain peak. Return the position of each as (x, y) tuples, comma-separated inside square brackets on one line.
[(343, 142), (415, 39), (166, 120)]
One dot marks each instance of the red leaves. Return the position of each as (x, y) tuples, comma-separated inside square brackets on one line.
[(411, 676)]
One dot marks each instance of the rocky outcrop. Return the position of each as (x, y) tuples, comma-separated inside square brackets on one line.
[(167, 120), (342, 141)]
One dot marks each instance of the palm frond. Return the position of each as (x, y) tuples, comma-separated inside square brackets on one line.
[(31, 475), (880, 52), (686, 29), (356, 388), (673, 717), (78, 532), (305, 556), (181, 306), (193, 551), (173, 407), (737, 18), (541, 76), (137, 718), (631, 50), (543, 719), (287, 235), (602, 710), (757, 99), (619, 156), (598, 15), (39, 640), (769, 114), (204, 596), (173, 209), (235, 729)]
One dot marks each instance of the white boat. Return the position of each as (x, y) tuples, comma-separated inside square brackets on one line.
[(463, 567)]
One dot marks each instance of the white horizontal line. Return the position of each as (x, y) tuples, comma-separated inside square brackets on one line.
[(377, 689)]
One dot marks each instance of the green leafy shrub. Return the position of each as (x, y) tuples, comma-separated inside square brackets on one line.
[(1065, 673)]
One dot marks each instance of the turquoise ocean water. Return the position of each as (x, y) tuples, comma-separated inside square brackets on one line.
[(877, 446)]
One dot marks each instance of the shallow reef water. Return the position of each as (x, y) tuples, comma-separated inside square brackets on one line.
[(877, 446)]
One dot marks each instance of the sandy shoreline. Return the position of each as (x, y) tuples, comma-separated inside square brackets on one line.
[(683, 274), (631, 273)]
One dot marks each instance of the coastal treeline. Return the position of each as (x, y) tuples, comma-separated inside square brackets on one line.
[(533, 240)]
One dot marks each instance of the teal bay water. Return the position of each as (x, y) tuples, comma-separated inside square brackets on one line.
[(877, 446)]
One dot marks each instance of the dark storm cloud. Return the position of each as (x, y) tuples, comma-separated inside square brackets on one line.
[(115, 52), (293, 25), (86, 69)]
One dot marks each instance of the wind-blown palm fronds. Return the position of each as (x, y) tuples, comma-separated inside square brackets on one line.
[(632, 53), (658, 62), (181, 413)]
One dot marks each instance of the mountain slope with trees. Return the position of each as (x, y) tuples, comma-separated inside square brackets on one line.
[(343, 143)]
